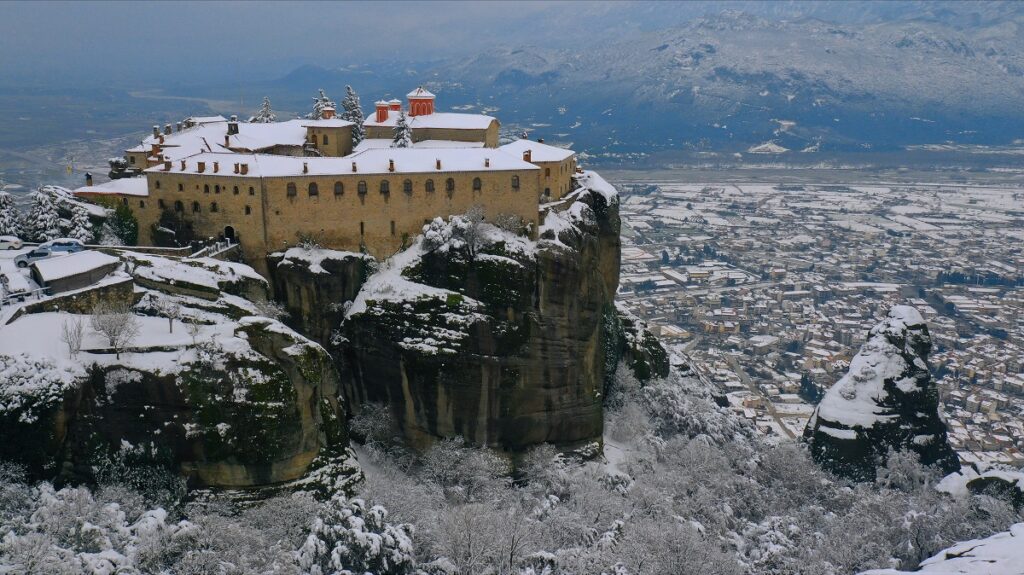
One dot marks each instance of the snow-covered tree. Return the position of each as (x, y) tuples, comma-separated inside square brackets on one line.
[(42, 222), (81, 227), (403, 133), (353, 112), (117, 324), (319, 103), (265, 115), (10, 218)]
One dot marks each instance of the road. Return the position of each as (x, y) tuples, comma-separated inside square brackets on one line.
[(769, 406)]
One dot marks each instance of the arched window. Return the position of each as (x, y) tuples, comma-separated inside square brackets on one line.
[(213, 207), (216, 189), (252, 191), (547, 191), (248, 210), (206, 188), (449, 185), (547, 172), (195, 207), (407, 186), (234, 190), (361, 187), (157, 184), (181, 187), (312, 137), (429, 186), (313, 189), (339, 189), (385, 187), (515, 182), (142, 203), (477, 184), (179, 207), (292, 191), (325, 139)]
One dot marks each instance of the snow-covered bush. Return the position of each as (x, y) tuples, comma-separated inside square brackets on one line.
[(29, 386)]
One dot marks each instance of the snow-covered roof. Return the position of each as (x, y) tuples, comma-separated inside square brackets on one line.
[(419, 93), (72, 264), (373, 161), (539, 152), (332, 123), (446, 120), (377, 143), (123, 186), (205, 119), (209, 137)]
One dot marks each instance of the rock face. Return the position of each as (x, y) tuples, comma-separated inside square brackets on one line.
[(479, 332), (242, 402), (887, 401)]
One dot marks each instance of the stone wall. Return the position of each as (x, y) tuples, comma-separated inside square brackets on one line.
[(83, 301)]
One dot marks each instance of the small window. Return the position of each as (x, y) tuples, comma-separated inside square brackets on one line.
[(142, 203), (213, 207), (292, 190), (477, 184), (547, 172), (362, 228), (385, 187), (339, 189), (392, 227), (449, 185), (216, 189), (179, 207), (248, 210), (181, 187), (124, 201), (313, 189), (206, 188), (313, 138), (131, 159), (361, 188), (160, 204), (234, 190), (547, 191), (157, 184), (515, 182), (429, 186), (325, 139), (195, 207), (252, 191), (407, 186)]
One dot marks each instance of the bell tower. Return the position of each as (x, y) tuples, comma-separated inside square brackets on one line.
[(421, 102)]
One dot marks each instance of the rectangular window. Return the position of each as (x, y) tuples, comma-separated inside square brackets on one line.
[(362, 228), (392, 227), (131, 159)]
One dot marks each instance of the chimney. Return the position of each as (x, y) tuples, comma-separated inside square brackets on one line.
[(156, 131), (528, 156), (227, 141), (167, 129), (167, 165), (161, 138), (382, 111), (236, 167), (177, 127), (200, 167), (88, 179), (395, 105), (391, 165), (245, 169), (487, 162), (540, 140), (183, 165), (216, 167), (233, 126), (327, 113), (437, 163), (305, 167)]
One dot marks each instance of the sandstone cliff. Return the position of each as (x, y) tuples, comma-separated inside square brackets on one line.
[(475, 330), (887, 401), (230, 398)]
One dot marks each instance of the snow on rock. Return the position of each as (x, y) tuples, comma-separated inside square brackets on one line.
[(594, 182), (29, 385), (315, 257), (1000, 554), (886, 401), (1009, 484)]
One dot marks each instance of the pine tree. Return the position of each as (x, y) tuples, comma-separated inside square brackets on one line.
[(10, 219), (353, 112), (319, 103), (265, 115), (403, 134), (42, 222), (81, 227)]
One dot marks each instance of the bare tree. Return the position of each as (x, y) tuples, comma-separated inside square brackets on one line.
[(194, 327), (115, 322), (474, 220), (73, 334), (169, 309)]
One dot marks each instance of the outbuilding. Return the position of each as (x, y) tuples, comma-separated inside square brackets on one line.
[(73, 271)]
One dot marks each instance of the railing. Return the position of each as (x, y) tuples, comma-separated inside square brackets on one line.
[(215, 248), (8, 299)]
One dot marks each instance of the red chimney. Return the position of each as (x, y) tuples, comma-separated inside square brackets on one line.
[(245, 169), (236, 167), (382, 111), (167, 165), (327, 113), (528, 156), (216, 167), (395, 105), (201, 167), (391, 165)]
